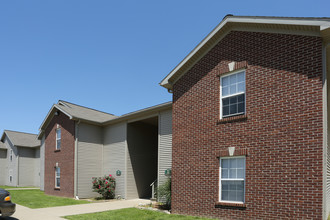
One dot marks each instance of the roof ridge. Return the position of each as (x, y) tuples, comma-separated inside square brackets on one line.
[(86, 107), (21, 132)]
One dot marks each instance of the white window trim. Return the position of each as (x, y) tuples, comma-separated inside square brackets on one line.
[(222, 97), (11, 155), (240, 179), (56, 147), (57, 176)]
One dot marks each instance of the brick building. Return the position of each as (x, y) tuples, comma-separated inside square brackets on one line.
[(250, 129)]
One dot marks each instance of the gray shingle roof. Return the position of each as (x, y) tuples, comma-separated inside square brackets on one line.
[(2, 146), (84, 113), (22, 139)]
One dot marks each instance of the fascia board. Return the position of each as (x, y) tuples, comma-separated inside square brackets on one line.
[(199, 46), (67, 114), (322, 24), (278, 21), (49, 115), (140, 114), (3, 136)]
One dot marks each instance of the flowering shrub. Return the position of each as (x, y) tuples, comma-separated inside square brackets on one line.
[(105, 186)]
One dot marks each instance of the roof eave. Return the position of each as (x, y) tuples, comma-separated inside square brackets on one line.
[(140, 113), (3, 136), (48, 118), (177, 72)]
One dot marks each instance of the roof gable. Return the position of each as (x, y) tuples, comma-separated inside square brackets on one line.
[(21, 139), (76, 112), (286, 25), (84, 113)]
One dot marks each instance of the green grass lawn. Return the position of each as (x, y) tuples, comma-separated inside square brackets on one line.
[(132, 213), (12, 187), (34, 198)]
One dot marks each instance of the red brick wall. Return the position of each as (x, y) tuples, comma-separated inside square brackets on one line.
[(64, 157), (281, 133)]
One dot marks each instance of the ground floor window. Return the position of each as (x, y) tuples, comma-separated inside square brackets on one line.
[(232, 179), (57, 177)]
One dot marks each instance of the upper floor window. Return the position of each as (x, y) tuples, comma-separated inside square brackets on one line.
[(232, 179), (58, 138), (11, 155), (232, 94), (57, 177)]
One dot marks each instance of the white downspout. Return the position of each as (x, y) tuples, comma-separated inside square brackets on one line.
[(325, 130), (17, 167)]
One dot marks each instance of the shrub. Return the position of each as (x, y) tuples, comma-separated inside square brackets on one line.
[(164, 193), (105, 186)]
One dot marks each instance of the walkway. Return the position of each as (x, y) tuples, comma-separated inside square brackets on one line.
[(55, 213)]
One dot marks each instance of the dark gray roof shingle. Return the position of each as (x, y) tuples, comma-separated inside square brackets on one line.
[(22, 139), (84, 113)]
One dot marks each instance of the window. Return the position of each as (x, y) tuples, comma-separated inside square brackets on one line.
[(58, 138), (11, 155), (232, 94), (57, 177), (232, 179), (10, 175)]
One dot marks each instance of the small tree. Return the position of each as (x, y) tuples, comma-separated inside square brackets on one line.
[(105, 186), (164, 193)]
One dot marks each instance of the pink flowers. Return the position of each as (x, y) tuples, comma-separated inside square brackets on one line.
[(105, 186), (109, 174)]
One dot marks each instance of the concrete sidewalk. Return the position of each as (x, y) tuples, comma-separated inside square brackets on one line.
[(55, 213)]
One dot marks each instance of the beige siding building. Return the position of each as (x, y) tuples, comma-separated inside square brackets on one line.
[(135, 148), (19, 159)]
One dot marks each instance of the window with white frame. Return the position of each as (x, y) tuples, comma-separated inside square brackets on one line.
[(58, 138), (232, 179), (57, 177), (11, 155), (232, 94)]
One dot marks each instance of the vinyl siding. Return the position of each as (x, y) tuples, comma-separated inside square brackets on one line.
[(42, 163), (165, 145), (26, 166), (114, 152), (142, 159), (131, 189), (37, 167), (327, 168), (89, 158), (3, 166), (327, 193), (12, 165)]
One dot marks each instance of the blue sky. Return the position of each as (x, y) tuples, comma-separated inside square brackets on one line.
[(108, 55)]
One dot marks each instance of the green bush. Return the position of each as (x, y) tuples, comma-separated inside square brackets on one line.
[(105, 186), (164, 193)]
